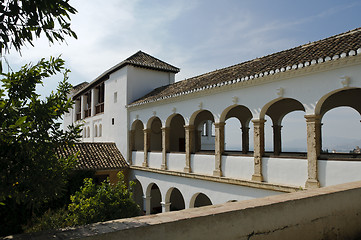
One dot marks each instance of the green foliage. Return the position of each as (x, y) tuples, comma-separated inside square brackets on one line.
[(51, 219), (98, 203), (30, 131), (21, 20)]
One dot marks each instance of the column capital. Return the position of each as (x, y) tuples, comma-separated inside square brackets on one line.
[(312, 118), (219, 124), (258, 121), (146, 130), (189, 127)]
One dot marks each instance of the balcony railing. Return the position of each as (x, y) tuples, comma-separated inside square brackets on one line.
[(87, 112), (99, 108)]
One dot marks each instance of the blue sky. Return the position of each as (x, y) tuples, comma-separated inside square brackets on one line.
[(196, 36)]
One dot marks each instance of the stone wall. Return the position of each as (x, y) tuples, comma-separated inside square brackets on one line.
[(326, 213)]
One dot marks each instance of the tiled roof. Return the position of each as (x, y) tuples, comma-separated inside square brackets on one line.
[(95, 156), (139, 59), (79, 86), (329, 49)]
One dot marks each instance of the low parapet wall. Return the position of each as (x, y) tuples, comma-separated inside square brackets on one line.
[(325, 213)]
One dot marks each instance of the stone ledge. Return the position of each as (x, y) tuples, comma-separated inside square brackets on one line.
[(234, 181)]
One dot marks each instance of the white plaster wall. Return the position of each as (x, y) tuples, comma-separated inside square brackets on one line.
[(202, 163), (308, 89), (337, 172), (138, 158), (217, 192), (142, 81), (241, 167), (284, 170), (154, 159), (176, 161)]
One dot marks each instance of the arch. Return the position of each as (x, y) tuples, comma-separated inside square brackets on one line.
[(340, 98), (155, 195), (239, 130), (277, 110), (138, 194), (138, 136), (95, 130), (175, 198), (155, 126), (176, 133), (204, 138), (88, 131), (84, 132), (100, 130), (199, 200)]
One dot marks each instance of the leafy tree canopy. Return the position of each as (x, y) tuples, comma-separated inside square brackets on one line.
[(30, 171), (22, 20)]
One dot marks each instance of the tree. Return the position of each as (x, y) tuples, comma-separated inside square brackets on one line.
[(102, 203), (30, 172), (30, 132), (21, 20)]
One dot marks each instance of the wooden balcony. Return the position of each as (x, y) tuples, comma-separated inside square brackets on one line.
[(99, 108), (87, 112)]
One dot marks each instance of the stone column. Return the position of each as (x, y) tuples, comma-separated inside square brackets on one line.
[(165, 206), (147, 204), (219, 148), (189, 134), (146, 146), (94, 95), (313, 149), (165, 147), (131, 146), (82, 106), (277, 142), (258, 148), (245, 139)]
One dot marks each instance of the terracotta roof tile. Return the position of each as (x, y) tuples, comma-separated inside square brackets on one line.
[(139, 59), (95, 156), (345, 44)]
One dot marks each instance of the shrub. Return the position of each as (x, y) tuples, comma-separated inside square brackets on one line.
[(99, 203)]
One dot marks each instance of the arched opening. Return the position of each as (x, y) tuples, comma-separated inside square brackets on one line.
[(237, 129), (100, 130), (200, 200), (155, 199), (294, 133), (176, 200), (204, 138), (340, 128), (138, 195), (155, 135), (95, 130), (138, 136), (84, 132), (276, 112), (88, 132), (177, 134)]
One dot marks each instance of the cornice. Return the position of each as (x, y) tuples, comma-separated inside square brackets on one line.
[(300, 70)]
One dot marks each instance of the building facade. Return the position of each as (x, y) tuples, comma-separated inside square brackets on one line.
[(172, 134)]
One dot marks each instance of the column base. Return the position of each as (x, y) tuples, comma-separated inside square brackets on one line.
[(257, 177), (163, 167), (312, 183), (144, 164), (217, 173), (187, 170)]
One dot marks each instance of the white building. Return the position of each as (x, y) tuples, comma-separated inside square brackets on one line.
[(172, 133)]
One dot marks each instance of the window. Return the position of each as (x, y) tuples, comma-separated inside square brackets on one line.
[(95, 131), (205, 129), (99, 107), (84, 132), (115, 97), (100, 130), (88, 132)]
